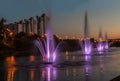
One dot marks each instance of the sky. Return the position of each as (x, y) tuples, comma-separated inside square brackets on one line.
[(67, 16)]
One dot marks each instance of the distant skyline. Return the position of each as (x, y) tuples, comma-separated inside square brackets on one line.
[(67, 16)]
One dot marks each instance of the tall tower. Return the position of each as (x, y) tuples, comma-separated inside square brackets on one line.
[(86, 29)]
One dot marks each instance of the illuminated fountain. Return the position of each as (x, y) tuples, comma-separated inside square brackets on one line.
[(106, 44), (47, 46), (86, 44), (100, 45)]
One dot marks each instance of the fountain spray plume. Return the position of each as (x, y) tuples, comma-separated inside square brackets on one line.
[(100, 45), (86, 44), (47, 46), (49, 41), (106, 42)]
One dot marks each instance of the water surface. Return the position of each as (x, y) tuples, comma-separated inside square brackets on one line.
[(70, 66)]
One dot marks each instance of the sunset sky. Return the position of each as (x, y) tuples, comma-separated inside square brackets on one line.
[(67, 16)]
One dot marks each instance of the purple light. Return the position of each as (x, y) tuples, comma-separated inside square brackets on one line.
[(48, 74), (87, 65), (87, 58), (86, 46), (50, 43), (54, 74), (46, 46), (106, 45), (106, 42), (100, 47)]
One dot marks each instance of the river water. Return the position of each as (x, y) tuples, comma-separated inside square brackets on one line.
[(70, 66)]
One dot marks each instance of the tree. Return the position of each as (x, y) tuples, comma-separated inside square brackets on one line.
[(2, 21)]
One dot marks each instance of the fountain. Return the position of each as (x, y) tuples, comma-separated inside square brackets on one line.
[(47, 46), (106, 42), (86, 44), (100, 45)]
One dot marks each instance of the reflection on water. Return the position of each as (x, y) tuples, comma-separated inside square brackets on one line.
[(67, 72), (100, 52), (87, 67), (10, 61), (48, 74), (87, 58), (74, 72), (73, 58), (94, 67), (10, 73), (32, 71), (101, 65), (32, 74), (66, 53)]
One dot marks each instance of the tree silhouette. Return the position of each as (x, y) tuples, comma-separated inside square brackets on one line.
[(2, 21)]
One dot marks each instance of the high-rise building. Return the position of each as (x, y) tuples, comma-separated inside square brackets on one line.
[(16, 27), (36, 26), (20, 27), (38, 22), (26, 25), (43, 23)]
